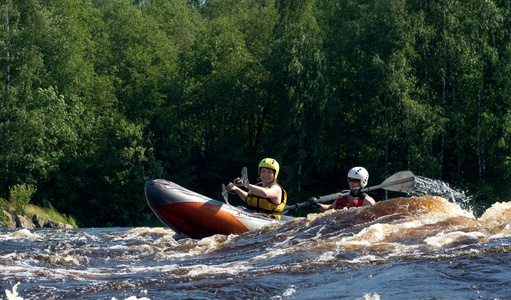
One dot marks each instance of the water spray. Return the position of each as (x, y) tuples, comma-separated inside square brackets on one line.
[(427, 186)]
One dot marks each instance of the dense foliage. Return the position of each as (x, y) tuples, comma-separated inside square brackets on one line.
[(99, 95)]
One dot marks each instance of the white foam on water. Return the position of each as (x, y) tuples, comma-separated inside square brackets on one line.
[(229, 268), (444, 239), (19, 234), (497, 219), (497, 213), (287, 293), (368, 296), (133, 298), (13, 295)]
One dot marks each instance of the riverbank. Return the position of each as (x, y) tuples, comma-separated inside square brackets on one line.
[(17, 212), (33, 216), (36, 221)]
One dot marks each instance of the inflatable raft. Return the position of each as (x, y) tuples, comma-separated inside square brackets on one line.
[(199, 216)]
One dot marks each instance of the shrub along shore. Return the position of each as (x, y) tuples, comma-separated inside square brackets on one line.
[(18, 213), (36, 221)]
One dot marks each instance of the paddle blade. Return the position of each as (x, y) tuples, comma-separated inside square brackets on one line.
[(225, 193), (400, 182), (244, 177), (244, 174)]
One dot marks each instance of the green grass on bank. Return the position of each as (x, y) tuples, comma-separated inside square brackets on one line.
[(49, 213), (29, 210), (18, 204)]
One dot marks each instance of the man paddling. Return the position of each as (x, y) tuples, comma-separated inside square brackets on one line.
[(266, 196), (358, 177)]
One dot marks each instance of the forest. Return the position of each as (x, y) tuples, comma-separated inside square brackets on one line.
[(97, 96)]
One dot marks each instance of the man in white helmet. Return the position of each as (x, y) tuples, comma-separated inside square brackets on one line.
[(358, 178)]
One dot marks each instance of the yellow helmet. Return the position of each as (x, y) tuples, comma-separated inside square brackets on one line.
[(269, 163)]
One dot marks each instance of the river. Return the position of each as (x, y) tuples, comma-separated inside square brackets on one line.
[(418, 247)]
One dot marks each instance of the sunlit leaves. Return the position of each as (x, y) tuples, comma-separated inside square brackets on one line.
[(98, 95)]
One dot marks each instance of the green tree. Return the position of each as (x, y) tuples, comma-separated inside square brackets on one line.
[(142, 59), (97, 96), (32, 126), (20, 197), (500, 107), (457, 58), (395, 97), (297, 93), (219, 115), (115, 171), (377, 109)]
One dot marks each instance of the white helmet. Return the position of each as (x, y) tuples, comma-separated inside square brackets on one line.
[(359, 173)]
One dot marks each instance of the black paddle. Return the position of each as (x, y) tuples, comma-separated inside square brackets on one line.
[(243, 179), (400, 182)]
